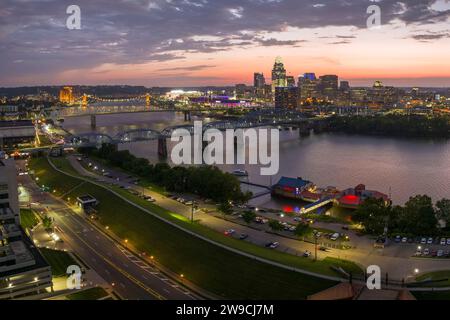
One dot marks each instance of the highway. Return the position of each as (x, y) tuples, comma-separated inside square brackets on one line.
[(131, 277)]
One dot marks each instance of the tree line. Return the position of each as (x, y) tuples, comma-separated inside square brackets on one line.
[(418, 217), (205, 181), (436, 126)]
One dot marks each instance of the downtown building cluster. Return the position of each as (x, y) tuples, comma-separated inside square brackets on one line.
[(308, 90)]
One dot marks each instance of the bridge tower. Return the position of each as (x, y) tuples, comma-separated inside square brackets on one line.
[(84, 101), (93, 121), (162, 148), (148, 99), (187, 115)]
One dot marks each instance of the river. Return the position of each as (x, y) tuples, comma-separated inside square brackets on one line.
[(401, 167)]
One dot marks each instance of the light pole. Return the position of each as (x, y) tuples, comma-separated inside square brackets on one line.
[(315, 245), (192, 211)]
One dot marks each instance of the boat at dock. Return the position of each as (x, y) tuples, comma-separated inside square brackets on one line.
[(307, 191)]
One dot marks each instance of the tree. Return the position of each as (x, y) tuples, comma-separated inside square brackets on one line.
[(373, 214), (419, 216), (47, 222), (443, 211), (301, 229), (249, 216), (226, 208), (275, 225)]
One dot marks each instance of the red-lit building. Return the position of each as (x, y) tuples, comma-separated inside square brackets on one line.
[(353, 197)]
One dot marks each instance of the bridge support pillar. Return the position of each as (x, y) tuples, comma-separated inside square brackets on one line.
[(162, 148), (187, 115), (93, 121), (304, 131)]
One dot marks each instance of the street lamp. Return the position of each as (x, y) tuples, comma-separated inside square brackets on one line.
[(416, 271)]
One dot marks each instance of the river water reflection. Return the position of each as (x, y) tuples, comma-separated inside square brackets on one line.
[(403, 167)]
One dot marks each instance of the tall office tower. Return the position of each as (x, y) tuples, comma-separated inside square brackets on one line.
[(329, 86), (290, 81), (308, 88), (286, 97), (23, 270), (66, 95), (383, 96), (278, 75), (259, 83)]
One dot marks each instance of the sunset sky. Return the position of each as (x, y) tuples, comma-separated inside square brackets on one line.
[(215, 42)]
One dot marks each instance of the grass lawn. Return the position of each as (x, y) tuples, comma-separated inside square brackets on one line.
[(212, 268), (438, 275), (88, 294), (432, 295), (61, 184), (58, 260), (28, 218), (44, 140)]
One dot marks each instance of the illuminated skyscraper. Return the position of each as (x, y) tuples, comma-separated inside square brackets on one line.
[(278, 75), (66, 95)]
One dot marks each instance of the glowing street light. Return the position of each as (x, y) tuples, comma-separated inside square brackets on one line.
[(416, 271)]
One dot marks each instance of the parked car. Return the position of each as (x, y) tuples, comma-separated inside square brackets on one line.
[(307, 254), (448, 241), (243, 236), (430, 241), (423, 241), (404, 240), (440, 253), (398, 239), (426, 252), (274, 245), (443, 242)]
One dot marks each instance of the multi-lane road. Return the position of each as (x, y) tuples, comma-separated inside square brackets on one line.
[(131, 277)]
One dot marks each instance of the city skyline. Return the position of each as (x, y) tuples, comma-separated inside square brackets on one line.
[(188, 43)]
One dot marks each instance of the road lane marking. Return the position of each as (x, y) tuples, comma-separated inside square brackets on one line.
[(125, 273)]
